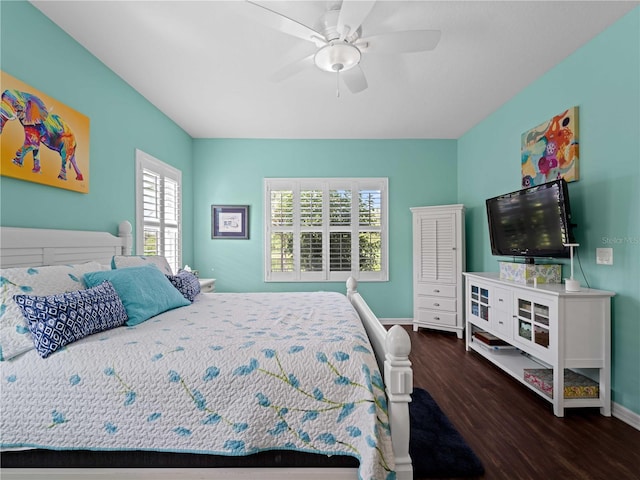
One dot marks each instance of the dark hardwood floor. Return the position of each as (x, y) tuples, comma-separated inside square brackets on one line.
[(510, 428)]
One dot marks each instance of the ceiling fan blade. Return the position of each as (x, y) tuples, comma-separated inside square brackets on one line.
[(355, 80), (352, 14), (403, 42), (284, 24), (292, 69)]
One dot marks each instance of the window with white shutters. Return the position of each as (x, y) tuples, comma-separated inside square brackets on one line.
[(158, 209), (325, 229)]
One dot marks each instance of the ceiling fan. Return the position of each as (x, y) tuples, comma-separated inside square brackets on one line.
[(339, 42)]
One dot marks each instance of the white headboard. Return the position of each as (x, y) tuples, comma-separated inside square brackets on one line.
[(21, 247)]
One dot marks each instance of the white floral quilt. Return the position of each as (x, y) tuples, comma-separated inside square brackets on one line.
[(231, 374)]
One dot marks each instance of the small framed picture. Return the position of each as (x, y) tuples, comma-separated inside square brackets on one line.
[(230, 221)]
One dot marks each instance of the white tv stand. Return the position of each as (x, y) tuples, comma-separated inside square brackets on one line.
[(544, 327)]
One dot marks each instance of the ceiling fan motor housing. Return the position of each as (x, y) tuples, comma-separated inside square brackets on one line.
[(337, 56)]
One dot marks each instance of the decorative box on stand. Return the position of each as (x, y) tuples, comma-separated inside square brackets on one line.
[(527, 272), (575, 384)]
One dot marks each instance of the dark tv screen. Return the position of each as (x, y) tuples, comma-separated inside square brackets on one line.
[(533, 222)]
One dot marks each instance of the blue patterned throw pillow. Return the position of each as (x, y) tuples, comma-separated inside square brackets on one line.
[(186, 283), (57, 320)]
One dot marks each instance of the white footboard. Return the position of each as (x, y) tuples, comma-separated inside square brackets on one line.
[(392, 348)]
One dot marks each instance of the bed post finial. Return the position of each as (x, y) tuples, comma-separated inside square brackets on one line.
[(352, 287), (398, 378), (124, 232)]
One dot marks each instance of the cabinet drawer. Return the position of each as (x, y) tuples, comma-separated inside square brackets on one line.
[(436, 303), (434, 317), (502, 326), (436, 290), (501, 300)]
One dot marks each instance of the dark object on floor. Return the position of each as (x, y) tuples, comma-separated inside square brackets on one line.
[(436, 448)]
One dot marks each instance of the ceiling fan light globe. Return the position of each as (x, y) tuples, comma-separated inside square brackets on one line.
[(337, 56)]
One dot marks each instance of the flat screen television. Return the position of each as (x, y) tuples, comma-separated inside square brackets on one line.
[(533, 222)]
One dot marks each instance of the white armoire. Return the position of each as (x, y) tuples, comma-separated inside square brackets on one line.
[(438, 263)]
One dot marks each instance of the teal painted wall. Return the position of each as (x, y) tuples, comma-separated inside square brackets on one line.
[(121, 121), (603, 79), (420, 172)]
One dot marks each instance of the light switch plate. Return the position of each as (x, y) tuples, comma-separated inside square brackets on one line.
[(604, 256)]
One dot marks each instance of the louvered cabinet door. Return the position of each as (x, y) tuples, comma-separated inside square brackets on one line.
[(436, 248), (438, 262)]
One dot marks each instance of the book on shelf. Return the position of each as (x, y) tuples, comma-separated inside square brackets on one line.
[(495, 348), (489, 338)]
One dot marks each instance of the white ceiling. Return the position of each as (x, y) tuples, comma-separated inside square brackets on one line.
[(207, 64)]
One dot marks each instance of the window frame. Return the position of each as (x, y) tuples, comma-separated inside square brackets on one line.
[(355, 185), (144, 161)]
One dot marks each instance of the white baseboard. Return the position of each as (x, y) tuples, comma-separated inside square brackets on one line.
[(396, 321), (626, 415)]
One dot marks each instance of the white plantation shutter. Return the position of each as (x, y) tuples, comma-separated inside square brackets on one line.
[(340, 254), (340, 207), (280, 243), (282, 208), (172, 207), (158, 209), (325, 229), (311, 208), (370, 228)]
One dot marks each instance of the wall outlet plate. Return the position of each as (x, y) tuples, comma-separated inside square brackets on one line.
[(604, 256)]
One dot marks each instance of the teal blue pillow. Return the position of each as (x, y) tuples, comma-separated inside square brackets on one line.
[(144, 291)]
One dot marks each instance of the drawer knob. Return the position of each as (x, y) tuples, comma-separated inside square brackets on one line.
[(436, 304), (436, 291), (436, 318)]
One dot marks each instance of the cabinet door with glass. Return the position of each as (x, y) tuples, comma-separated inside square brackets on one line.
[(534, 324), (479, 298)]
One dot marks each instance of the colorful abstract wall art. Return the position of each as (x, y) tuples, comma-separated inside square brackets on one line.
[(551, 150), (42, 140)]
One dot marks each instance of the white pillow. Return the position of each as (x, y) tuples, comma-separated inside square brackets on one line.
[(15, 337), (124, 261)]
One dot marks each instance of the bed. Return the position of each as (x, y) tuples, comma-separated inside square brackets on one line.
[(228, 380)]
